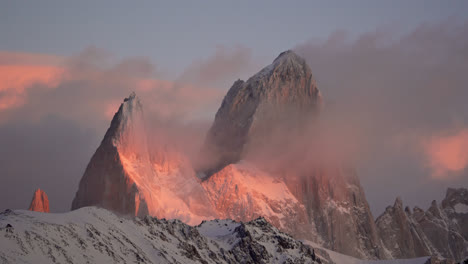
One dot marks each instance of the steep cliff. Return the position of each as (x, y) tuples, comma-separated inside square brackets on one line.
[(126, 176), (439, 231), (279, 92), (276, 107)]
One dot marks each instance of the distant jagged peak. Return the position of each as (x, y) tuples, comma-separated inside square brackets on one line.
[(456, 192), (39, 202), (398, 202), (455, 196)]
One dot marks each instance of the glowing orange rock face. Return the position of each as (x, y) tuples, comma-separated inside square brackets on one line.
[(40, 202), (327, 206), (126, 176)]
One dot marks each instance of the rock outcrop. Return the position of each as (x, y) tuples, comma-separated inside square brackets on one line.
[(337, 207), (39, 202), (242, 192), (324, 205), (322, 202), (282, 90), (126, 176), (440, 231), (330, 205)]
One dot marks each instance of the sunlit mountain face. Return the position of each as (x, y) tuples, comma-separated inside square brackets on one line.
[(185, 135)]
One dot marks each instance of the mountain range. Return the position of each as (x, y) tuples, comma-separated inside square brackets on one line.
[(254, 167)]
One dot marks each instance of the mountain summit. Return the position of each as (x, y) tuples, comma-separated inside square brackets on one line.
[(104, 182), (126, 175), (282, 88)]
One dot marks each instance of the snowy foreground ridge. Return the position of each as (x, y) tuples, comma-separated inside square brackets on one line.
[(94, 235)]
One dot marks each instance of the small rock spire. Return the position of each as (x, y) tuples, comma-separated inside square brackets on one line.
[(39, 202)]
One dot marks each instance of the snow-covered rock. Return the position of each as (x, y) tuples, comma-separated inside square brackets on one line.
[(285, 86), (94, 235), (324, 204), (337, 207), (327, 205), (39, 202), (243, 192)]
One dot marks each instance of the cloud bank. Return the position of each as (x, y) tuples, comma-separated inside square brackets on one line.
[(394, 105), (401, 98), (54, 112)]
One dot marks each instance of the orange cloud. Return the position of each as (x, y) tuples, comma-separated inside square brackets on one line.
[(447, 155), (67, 81), (21, 70), (15, 78)]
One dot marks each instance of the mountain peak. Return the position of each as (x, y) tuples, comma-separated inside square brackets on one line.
[(398, 202), (131, 97), (288, 55), (39, 202), (288, 63), (270, 94)]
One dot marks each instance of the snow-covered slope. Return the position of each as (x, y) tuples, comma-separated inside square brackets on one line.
[(341, 258), (93, 235), (243, 192)]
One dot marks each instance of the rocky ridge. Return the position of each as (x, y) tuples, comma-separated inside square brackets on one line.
[(323, 204), (126, 176), (93, 235), (439, 231)]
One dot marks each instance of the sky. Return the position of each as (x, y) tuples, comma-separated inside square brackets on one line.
[(392, 73)]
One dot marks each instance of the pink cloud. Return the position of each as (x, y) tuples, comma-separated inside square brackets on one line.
[(37, 85), (447, 155)]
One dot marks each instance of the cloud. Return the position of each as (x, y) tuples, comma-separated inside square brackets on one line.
[(21, 70), (55, 111), (447, 155), (221, 69), (93, 78), (388, 92)]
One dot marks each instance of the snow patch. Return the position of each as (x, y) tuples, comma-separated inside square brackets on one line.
[(461, 208)]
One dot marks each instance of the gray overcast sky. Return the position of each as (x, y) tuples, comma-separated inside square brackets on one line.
[(48, 137), (174, 33)]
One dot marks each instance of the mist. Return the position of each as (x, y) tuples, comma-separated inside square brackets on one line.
[(394, 107), (50, 127), (401, 100)]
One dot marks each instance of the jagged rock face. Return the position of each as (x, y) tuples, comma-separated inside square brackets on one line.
[(243, 192), (126, 176), (439, 231), (39, 202), (330, 206), (285, 86), (337, 207), (93, 235), (455, 206), (400, 235), (106, 182)]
